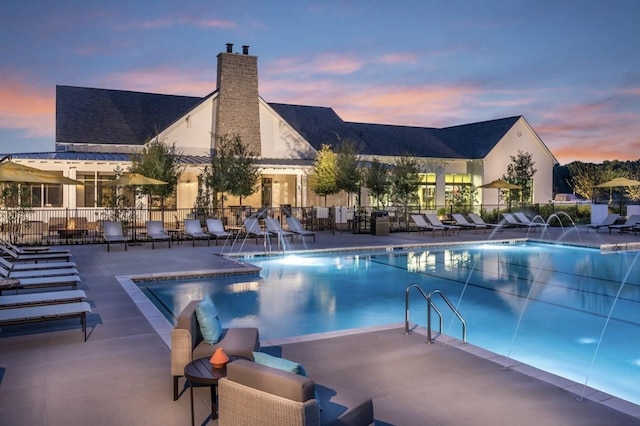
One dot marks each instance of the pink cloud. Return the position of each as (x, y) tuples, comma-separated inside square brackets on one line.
[(399, 58), (177, 21), (26, 108), (164, 80)]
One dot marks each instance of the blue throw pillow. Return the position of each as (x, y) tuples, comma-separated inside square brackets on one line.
[(282, 364), (207, 315)]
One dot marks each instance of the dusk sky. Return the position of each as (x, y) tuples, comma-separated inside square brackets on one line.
[(571, 68)]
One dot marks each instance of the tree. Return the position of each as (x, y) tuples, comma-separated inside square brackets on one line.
[(348, 174), (376, 179), (520, 172), (324, 178), (159, 161), (584, 178), (233, 170), (404, 178), (16, 208)]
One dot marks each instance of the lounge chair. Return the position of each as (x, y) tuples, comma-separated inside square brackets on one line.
[(42, 298), (274, 228), (69, 280), (50, 256), (512, 222), (155, 232), (295, 226), (465, 224), (611, 219), (252, 229), (35, 249), (531, 224), (113, 234), (433, 219), (31, 266), (475, 218), (30, 314), (37, 273), (193, 231), (422, 224), (215, 229), (631, 222)]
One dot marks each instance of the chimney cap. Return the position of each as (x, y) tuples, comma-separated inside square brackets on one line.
[(245, 49), (229, 47)]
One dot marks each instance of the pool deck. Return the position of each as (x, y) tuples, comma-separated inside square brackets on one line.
[(121, 375)]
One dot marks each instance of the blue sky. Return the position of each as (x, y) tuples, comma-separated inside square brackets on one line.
[(572, 68)]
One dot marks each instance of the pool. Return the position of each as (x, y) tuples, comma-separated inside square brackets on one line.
[(567, 310)]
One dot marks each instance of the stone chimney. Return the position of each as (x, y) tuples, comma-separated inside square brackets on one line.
[(238, 108)]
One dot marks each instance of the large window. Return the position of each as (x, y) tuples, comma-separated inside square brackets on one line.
[(95, 192), (457, 188), (427, 190)]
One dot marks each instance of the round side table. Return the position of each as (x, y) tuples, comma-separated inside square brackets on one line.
[(202, 372)]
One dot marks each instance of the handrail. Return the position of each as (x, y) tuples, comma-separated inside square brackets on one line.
[(430, 306)]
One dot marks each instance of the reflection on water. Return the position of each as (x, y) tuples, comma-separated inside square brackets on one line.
[(561, 296)]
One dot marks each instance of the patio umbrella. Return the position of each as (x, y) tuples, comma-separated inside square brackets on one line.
[(11, 172), (135, 179), (621, 181), (500, 184)]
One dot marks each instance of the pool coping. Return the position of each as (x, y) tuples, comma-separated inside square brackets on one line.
[(163, 326)]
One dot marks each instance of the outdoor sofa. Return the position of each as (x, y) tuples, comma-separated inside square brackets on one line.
[(187, 343), (254, 394)]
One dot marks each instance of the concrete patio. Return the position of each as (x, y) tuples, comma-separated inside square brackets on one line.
[(121, 375)]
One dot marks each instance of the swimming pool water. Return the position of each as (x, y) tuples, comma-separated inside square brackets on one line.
[(540, 304)]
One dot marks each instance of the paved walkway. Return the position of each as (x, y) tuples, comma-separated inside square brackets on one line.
[(120, 376)]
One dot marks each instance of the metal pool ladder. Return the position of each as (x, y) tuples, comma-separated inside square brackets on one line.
[(430, 306)]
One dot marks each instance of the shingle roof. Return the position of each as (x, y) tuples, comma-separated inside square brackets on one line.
[(117, 117), (319, 125)]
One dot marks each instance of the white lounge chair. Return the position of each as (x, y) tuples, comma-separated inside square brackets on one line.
[(433, 219), (465, 224), (193, 230), (513, 222), (31, 266), (69, 280), (295, 226), (30, 314), (423, 225), (26, 250), (475, 218), (611, 219), (252, 229), (155, 232), (274, 228), (113, 234), (215, 229), (37, 273), (42, 298), (50, 256), (531, 224), (629, 225)]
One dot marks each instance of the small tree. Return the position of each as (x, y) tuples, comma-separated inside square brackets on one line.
[(404, 179), (376, 180), (348, 174), (324, 178), (520, 172), (584, 178), (233, 170), (159, 161), (117, 205), (16, 208)]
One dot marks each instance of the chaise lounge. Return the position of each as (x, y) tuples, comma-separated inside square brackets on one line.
[(31, 314), (187, 343), (254, 394)]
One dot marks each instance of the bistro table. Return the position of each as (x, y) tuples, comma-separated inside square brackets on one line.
[(202, 372)]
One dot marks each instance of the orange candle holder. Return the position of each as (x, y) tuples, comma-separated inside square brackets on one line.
[(219, 358)]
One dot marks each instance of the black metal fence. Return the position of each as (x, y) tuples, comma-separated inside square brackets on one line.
[(85, 225)]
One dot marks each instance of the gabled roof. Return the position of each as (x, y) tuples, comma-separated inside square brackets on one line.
[(319, 125), (115, 117)]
